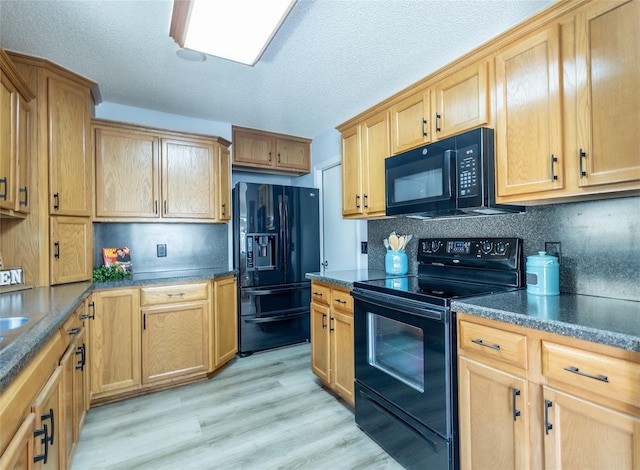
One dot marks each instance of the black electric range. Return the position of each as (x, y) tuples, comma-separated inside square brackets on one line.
[(405, 345)]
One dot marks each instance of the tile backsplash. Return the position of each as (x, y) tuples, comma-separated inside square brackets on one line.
[(600, 241)]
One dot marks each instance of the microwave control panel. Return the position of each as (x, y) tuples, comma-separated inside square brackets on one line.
[(468, 166)]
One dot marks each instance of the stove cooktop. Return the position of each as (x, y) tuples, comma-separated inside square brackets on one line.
[(430, 290)]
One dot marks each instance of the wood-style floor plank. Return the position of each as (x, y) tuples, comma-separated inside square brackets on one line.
[(265, 411)]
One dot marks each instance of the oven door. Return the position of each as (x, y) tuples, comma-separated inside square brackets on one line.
[(421, 180), (403, 354)]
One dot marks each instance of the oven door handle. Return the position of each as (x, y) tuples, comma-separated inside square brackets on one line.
[(403, 424), (398, 304)]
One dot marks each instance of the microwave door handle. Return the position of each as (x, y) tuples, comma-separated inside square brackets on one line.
[(449, 172)]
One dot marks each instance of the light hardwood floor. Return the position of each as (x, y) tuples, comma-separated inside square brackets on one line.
[(265, 411)]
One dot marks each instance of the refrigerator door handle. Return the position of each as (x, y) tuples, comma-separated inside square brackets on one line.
[(282, 230)]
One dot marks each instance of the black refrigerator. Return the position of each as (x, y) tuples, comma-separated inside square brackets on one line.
[(276, 241)]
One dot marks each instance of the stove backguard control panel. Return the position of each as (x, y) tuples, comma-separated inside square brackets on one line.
[(494, 252)]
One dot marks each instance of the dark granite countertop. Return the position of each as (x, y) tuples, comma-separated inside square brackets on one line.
[(348, 277), (162, 277), (49, 307), (597, 319)]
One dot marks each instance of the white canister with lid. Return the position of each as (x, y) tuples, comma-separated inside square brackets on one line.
[(543, 274)]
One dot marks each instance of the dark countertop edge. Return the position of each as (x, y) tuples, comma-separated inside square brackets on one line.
[(146, 279), (34, 340), (37, 336), (346, 278), (582, 332)]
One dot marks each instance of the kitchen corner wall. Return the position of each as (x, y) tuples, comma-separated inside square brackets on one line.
[(600, 241), (189, 246)]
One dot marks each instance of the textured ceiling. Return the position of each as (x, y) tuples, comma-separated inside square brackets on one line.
[(330, 60)]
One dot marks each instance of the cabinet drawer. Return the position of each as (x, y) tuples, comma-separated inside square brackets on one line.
[(342, 300), (177, 293), (491, 342), (596, 373), (71, 328), (320, 294)]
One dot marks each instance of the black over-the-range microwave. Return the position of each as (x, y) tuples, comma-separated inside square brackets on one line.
[(450, 177)]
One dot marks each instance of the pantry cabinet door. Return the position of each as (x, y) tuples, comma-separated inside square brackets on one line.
[(608, 71), (69, 164), (71, 249)]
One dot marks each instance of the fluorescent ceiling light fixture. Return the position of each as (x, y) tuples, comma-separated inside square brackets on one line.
[(238, 30)]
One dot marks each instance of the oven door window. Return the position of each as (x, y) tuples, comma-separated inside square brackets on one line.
[(397, 349)]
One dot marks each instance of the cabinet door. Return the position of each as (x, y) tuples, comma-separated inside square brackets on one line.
[(342, 355), (80, 381), (320, 347), (225, 328), (19, 453), (23, 155), (580, 434), (188, 179), (49, 424), (224, 185), (252, 149), (492, 433), (127, 173), (529, 124), (352, 172), (375, 148), (71, 244), (293, 155), (67, 364), (410, 122), (174, 341), (462, 101), (115, 342), (8, 102), (69, 165), (608, 67)]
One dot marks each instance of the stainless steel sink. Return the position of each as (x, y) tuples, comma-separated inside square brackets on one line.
[(11, 323)]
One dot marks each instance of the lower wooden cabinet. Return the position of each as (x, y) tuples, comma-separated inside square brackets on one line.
[(532, 399), (115, 342), (224, 334), (48, 406), (332, 354), (493, 426), (19, 452), (153, 337), (71, 249), (175, 341)]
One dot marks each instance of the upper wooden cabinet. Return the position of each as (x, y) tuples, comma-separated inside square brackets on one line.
[(364, 149), (152, 174), (462, 100), (15, 147), (410, 124), (529, 153), (608, 93), (68, 119), (262, 151)]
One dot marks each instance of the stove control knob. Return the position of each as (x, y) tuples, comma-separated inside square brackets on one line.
[(486, 247), (501, 248), (435, 245)]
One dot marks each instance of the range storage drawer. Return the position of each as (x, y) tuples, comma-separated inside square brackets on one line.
[(504, 346), (173, 293), (592, 372)]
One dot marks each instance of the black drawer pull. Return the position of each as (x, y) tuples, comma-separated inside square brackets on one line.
[(482, 343), (343, 302), (177, 294), (44, 433), (575, 370), (319, 294)]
